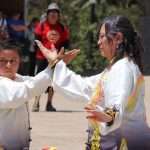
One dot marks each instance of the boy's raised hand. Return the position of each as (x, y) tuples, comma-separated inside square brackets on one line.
[(53, 57), (50, 55)]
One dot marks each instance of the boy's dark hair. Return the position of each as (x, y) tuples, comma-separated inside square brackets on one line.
[(10, 45)]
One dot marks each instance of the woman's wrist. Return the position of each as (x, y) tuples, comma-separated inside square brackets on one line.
[(112, 113)]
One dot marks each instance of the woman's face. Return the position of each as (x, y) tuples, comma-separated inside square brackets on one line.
[(53, 17), (107, 47), (9, 63)]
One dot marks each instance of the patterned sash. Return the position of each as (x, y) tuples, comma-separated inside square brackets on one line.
[(132, 100), (94, 128)]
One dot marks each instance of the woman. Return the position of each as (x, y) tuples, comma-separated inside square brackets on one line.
[(116, 109)]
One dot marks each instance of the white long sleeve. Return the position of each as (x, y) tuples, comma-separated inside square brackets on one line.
[(72, 85), (14, 93), (118, 87)]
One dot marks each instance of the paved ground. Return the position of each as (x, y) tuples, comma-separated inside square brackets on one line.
[(66, 128)]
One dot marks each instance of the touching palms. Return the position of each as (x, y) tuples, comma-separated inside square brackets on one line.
[(53, 57)]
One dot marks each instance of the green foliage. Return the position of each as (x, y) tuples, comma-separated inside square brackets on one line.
[(82, 22), (86, 32)]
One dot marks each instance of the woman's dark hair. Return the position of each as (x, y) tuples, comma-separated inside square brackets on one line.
[(10, 45), (131, 44)]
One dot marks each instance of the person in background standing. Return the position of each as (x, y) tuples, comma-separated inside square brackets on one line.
[(16, 30), (54, 35), (3, 27), (30, 35)]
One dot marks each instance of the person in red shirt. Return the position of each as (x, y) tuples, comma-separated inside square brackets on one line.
[(54, 35)]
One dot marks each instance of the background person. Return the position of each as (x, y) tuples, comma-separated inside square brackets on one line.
[(3, 27), (116, 109), (54, 35), (30, 35), (16, 30)]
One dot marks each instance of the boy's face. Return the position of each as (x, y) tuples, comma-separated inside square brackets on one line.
[(9, 63)]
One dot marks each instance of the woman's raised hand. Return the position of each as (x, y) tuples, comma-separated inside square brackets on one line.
[(68, 56)]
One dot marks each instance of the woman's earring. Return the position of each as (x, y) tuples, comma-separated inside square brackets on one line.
[(117, 47), (120, 47)]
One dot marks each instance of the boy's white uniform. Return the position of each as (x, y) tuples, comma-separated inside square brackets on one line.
[(14, 112)]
